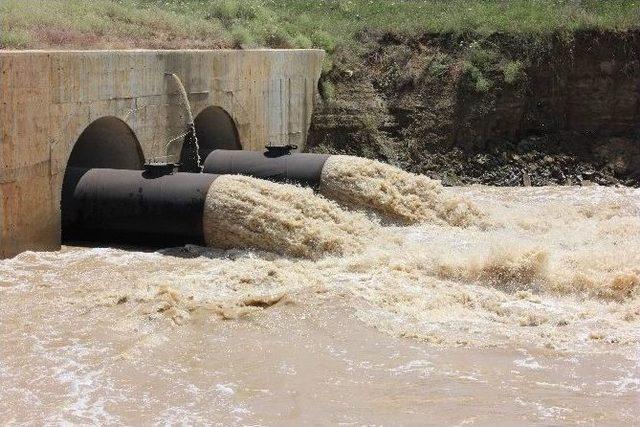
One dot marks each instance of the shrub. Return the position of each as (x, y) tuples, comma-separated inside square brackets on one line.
[(327, 90), (302, 42), (241, 37), (324, 40), (513, 71), (480, 56), (276, 37), (475, 78), (16, 39), (439, 64)]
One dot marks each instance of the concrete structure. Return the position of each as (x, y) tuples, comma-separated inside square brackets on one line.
[(119, 108)]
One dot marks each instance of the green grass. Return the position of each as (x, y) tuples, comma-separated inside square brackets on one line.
[(287, 23), (513, 71), (16, 38)]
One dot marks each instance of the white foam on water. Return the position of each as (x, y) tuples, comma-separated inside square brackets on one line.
[(245, 212), (553, 269), (561, 274), (393, 193)]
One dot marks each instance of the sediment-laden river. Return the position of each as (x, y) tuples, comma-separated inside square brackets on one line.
[(523, 307)]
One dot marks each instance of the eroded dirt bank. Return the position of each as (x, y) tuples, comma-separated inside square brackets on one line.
[(499, 109)]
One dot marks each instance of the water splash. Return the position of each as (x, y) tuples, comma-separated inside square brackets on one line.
[(245, 212), (394, 193), (191, 148), (183, 94)]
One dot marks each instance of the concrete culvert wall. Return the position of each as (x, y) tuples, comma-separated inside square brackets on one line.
[(51, 97), (107, 143), (215, 128)]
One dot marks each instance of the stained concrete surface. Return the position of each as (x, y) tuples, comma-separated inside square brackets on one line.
[(50, 97)]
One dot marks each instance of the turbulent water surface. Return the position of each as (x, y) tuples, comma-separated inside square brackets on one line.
[(529, 312)]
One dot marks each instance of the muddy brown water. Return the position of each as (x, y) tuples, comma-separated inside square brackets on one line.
[(531, 317)]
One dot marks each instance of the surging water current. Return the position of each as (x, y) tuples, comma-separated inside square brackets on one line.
[(393, 193), (523, 304), (245, 212)]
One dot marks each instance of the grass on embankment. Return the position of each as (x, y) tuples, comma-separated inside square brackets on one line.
[(286, 23)]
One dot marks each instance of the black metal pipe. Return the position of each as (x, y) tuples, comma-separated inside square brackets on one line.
[(302, 168), (141, 207)]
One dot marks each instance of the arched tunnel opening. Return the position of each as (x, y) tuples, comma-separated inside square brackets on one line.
[(107, 142), (110, 195), (215, 129), (221, 153)]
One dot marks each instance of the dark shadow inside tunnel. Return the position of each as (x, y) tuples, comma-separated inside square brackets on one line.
[(215, 129), (107, 142)]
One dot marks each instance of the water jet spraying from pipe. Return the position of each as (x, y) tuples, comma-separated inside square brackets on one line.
[(353, 181), (190, 147), (160, 206)]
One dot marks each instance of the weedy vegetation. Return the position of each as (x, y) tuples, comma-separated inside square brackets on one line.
[(323, 24)]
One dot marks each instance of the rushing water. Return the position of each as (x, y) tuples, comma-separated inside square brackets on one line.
[(245, 212), (393, 193), (531, 314)]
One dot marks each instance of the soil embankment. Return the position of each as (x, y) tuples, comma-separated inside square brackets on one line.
[(499, 109)]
